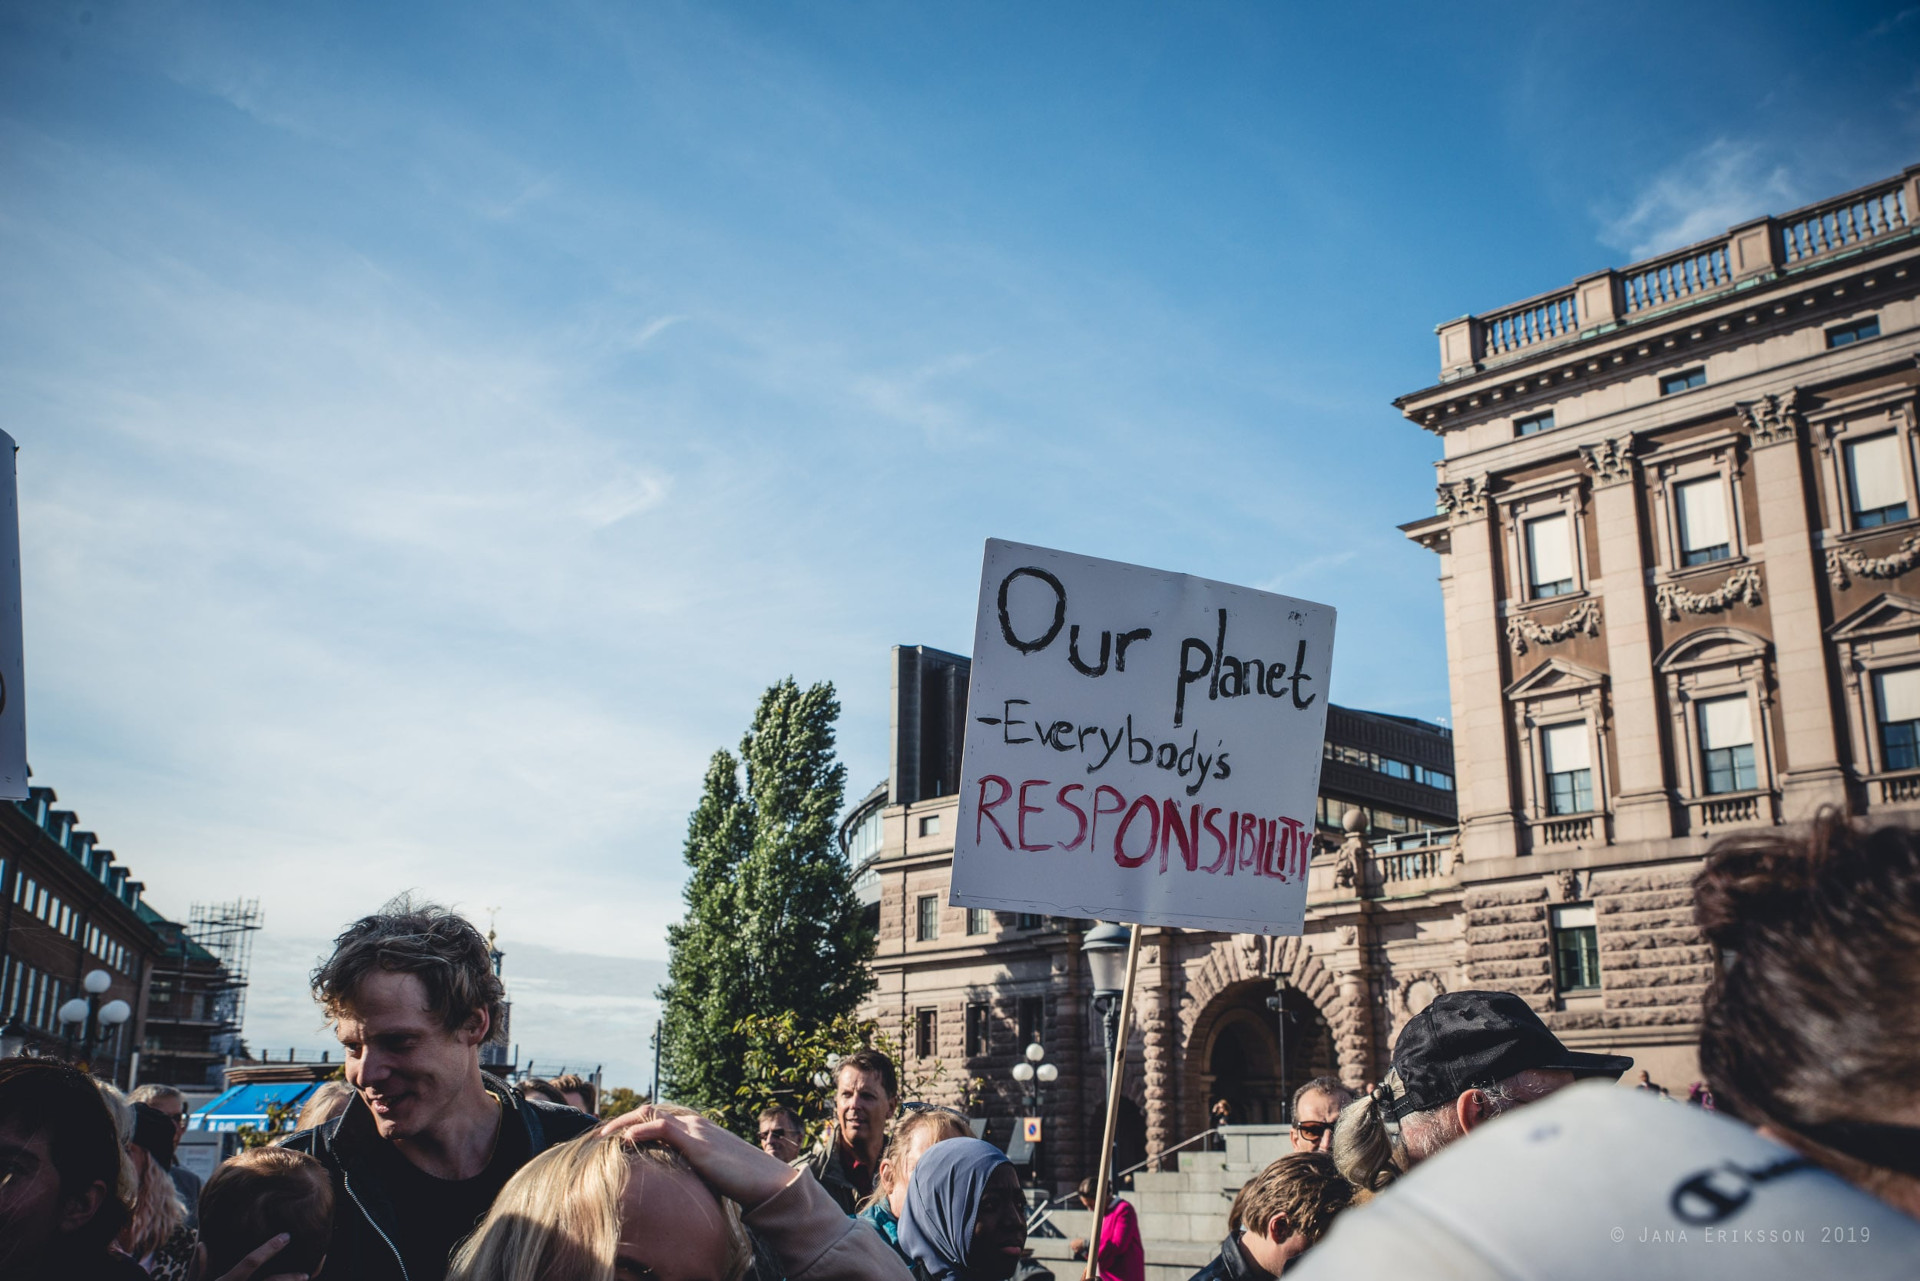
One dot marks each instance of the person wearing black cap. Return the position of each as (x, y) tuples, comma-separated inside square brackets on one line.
[(1465, 1059)]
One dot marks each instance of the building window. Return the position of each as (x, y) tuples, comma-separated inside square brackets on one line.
[(930, 825), (1534, 425), (1726, 744), (1685, 380), (1549, 557), (1700, 506), (1847, 335), (1031, 920), (926, 1030), (1576, 951), (976, 1029), (1433, 778), (1876, 483), (929, 918), (979, 920), (1897, 695), (1569, 768), (1029, 1013)]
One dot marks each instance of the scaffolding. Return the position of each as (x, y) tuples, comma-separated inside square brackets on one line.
[(227, 930)]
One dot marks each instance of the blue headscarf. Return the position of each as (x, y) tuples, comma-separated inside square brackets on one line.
[(943, 1200)]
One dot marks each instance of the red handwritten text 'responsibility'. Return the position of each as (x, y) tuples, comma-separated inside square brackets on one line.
[(1145, 826)]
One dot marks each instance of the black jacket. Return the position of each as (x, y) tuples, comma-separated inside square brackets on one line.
[(827, 1162), (1232, 1264), (362, 1246)]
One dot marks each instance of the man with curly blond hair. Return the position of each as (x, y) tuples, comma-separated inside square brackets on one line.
[(429, 1139)]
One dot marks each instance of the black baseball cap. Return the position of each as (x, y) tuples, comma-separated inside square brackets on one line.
[(1470, 1040)]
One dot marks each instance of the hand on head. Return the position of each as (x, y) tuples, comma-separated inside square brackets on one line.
[(731, 1166)]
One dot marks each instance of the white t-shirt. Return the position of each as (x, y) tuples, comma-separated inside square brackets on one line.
[(1622, 1185)]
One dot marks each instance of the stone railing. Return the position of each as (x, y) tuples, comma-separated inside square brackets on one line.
[(1846, 222), (1577, 829), (1902, 789), (1643, 290), (1530, 323), (1675, 278), (1745, 809)]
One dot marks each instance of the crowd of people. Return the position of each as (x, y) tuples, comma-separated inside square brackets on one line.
[(421, 1167)]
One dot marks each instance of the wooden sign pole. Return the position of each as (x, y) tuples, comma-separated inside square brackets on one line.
[(1102, 1184)]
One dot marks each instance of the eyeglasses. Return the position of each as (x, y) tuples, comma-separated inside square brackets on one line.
[(1313, 1129)]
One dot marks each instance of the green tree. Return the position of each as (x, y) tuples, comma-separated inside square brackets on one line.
[(772, 926), (618, 1100)]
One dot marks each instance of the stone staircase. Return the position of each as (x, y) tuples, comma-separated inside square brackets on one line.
[(1183, 1213)]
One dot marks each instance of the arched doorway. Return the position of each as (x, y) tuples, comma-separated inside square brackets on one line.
[(1240, 1057)]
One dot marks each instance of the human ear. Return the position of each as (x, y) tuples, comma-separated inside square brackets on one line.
[(1279, 1229), (78, 1210), (479, 1023), (1470, 1109)]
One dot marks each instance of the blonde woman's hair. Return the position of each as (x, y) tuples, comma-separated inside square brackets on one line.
[(944, 1123), (122, 1113), (1367, 1146), (558, 1219), (325, 1103), (157, 1208)]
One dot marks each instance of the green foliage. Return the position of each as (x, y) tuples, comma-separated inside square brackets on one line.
[(280, 1119), (772, 927), (619, 1101), (783, 1054)]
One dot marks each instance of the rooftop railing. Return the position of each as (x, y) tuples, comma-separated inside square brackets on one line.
[(1753, 251)]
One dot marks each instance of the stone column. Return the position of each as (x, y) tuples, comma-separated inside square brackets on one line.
[(1160, 1029), (1813, 774), (1481, 763), (1642, 810)]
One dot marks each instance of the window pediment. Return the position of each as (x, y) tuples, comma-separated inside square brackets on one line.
[(1709, 647), (1554, 676), (1888, 612)]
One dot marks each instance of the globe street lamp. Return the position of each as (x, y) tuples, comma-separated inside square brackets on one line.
[(1106, 950), (1033, 1072), (93, 1014)]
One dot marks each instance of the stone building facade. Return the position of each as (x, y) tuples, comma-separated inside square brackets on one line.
[(1678, 534), (1678, 538)]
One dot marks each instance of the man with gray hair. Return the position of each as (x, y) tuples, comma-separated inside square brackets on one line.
[(1457, 1064), (1316, 1106)]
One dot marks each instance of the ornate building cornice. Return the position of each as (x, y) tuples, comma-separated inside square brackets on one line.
[(1611, 460), (1582, 619), (1741, 585), (1464, 499), (1773, 419)]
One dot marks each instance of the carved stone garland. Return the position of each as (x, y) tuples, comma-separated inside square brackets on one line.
[(1582, 619), (1842, 560), (1741, 585)]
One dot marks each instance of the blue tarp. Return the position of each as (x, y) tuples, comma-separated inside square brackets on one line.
[(247, 1104)]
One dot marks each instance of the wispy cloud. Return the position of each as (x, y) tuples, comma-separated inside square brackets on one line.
[(1721, 184)]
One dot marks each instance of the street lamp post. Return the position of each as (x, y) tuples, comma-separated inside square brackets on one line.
[(1033, 1072), (1106, 950), (96, 1016)]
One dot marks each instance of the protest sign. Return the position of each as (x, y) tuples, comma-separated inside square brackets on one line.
[(13, 686), (1141, 746)]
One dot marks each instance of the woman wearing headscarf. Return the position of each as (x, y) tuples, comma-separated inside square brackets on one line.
[(965, 1217)]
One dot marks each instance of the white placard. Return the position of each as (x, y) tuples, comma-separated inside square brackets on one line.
[(1141, 746), (13, 683)]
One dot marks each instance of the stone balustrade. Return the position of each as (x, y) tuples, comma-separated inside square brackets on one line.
[(1759, 250)]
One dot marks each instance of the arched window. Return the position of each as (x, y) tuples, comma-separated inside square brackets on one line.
[(1721, 707)]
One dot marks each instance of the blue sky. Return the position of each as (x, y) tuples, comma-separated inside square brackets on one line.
[(439, 422)]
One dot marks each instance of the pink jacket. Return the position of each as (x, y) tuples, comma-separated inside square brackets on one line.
[(1122, 1256), (816, 1242)]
